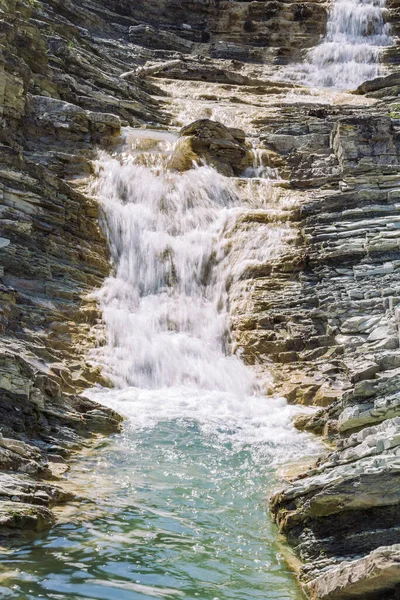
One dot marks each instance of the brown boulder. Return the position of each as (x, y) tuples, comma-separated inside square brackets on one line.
[(210, 142)]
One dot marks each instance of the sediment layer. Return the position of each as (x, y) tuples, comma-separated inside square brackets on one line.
[(320, 313), (61, 97), (345, 356)]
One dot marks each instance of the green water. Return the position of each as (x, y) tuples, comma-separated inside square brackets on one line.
[(181, 513)]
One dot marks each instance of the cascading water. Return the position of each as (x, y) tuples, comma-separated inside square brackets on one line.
[(180, 496), (351, 49), (165, 307)]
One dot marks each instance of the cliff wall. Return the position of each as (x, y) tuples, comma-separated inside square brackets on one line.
[(322, 315), (60, 97)]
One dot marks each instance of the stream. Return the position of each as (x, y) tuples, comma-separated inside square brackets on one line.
[(181, 496), (180, 513), (177, 505)]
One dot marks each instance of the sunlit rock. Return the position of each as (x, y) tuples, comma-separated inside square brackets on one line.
[(212, 143)]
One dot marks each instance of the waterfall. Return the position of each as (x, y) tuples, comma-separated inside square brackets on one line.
[(350, 51), (181, 494), (165, 306)]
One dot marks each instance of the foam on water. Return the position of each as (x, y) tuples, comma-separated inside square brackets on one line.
[(255, 423), (165, 306)]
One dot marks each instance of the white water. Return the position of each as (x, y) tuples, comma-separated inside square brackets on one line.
[(180, 496), (165, 307), (350, 52)]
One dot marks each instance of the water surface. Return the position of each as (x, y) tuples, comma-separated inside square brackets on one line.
[(180, 512)]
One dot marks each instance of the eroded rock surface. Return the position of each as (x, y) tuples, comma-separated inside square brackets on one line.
[(316, 305), (336, 345), (61, 95), (370, 577)]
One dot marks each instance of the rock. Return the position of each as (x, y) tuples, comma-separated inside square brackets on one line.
[(379, 83), (345, 296), (17, 519), (193, 70), (214, 144), (65, 121), (184, 158), (367, 577), (152, 37), (363, 371), (149, 71), (242, 31), (58, 102), (326, 396)]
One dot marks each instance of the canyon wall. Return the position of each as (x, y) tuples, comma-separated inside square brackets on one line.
[(321, 316), (60, 96)]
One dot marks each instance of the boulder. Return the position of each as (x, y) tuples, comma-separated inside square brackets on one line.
[(210, 142), (17, 518), (379, 83)]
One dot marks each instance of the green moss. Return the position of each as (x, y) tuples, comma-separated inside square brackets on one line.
[(395, 111)]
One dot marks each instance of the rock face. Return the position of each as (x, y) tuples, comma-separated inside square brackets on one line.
[(318, 310), (260, 30), (375, 574), (59, 98), (324, 314), (336, 344)]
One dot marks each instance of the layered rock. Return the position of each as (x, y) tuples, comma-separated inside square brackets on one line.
[(336, 344), (263, 30), (319, 310), (61, 95), (377, 574)]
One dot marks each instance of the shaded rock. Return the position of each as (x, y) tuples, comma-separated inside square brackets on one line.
[(17, 519), (195, 70), (379, 83), (70, 123), (152, 37)]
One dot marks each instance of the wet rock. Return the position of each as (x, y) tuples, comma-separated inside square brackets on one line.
[(204, 70), (17, 519), (368, 577), (379, 83), (212, 143)]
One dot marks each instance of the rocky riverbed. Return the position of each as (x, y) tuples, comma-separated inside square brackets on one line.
[(317, 317)]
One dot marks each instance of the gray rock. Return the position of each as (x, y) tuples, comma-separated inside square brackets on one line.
[(373, 574)]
